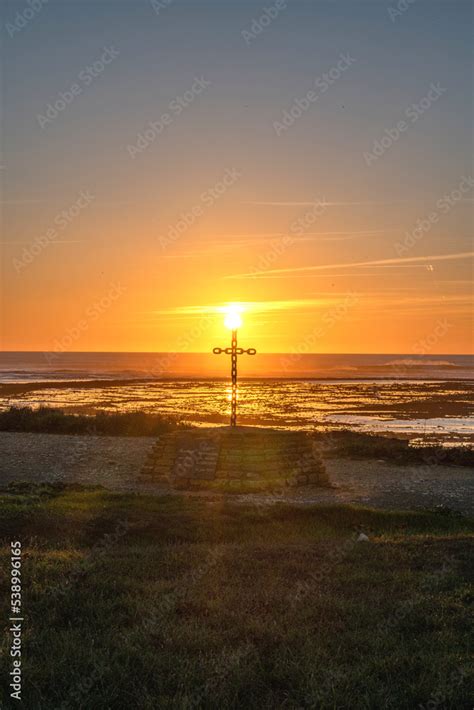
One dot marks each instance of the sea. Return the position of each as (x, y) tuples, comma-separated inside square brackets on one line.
[(425, 398)]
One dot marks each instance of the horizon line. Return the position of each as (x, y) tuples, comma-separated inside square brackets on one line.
[(209, 352)]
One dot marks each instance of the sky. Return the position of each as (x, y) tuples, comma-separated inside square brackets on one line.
[(309, 160)]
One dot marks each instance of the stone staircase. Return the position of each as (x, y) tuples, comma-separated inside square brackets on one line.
[(227, 458)]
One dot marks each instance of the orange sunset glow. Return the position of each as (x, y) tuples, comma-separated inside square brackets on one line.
[(340, 227), (334, 288)]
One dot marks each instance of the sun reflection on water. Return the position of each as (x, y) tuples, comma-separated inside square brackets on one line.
[(304, 404)]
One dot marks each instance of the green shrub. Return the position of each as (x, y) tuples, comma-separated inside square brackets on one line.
[(353, 444), (54, 421)]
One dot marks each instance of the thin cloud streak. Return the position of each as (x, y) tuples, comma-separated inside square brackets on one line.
[(427, 260), (281, 234), (252, 240), (53, 241), (369, 302), (388, 270), (252, 306), (325, 203)]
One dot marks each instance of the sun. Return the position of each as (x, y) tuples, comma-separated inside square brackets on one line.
[(233, 319)]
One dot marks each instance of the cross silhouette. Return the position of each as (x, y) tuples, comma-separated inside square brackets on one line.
[(233, 351)]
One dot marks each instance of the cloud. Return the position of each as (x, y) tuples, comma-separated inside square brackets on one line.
[(53, 241), (310, 203), (382, 263), (254, 306), (243, 241), (376, 302)]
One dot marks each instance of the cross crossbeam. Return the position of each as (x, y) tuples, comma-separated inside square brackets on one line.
[(234, 351)]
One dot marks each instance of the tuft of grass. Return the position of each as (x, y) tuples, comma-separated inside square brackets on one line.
[(174, 602), (54, 421), (353, 444)]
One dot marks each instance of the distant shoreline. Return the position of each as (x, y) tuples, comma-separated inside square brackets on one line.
[(17, 388)]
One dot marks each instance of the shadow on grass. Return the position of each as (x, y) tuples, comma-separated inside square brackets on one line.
[(173, 602), (53, 512)]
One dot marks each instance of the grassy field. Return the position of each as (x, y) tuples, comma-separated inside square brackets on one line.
[(147, 602)]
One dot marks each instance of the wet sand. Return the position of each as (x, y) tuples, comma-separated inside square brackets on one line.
[(292, 404), (18, 388)]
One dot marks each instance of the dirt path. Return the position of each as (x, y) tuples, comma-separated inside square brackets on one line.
[(114, 462)]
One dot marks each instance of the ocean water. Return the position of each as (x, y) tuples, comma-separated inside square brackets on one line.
[(39, 366), (425, 398)]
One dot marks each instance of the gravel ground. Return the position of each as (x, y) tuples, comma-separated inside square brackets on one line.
[(111, 461), (114, 462)]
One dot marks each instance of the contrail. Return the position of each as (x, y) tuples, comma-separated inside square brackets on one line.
[(378, 262)]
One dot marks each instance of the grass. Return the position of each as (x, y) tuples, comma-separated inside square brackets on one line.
[(174, 602), (343, 443), (49, 420), (352, 444)]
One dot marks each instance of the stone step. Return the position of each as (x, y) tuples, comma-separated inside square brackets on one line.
[(184, 457)]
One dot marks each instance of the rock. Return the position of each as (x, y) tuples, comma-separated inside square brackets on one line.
[(362, 538)]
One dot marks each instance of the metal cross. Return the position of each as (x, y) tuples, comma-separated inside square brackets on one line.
[(233, 351)]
